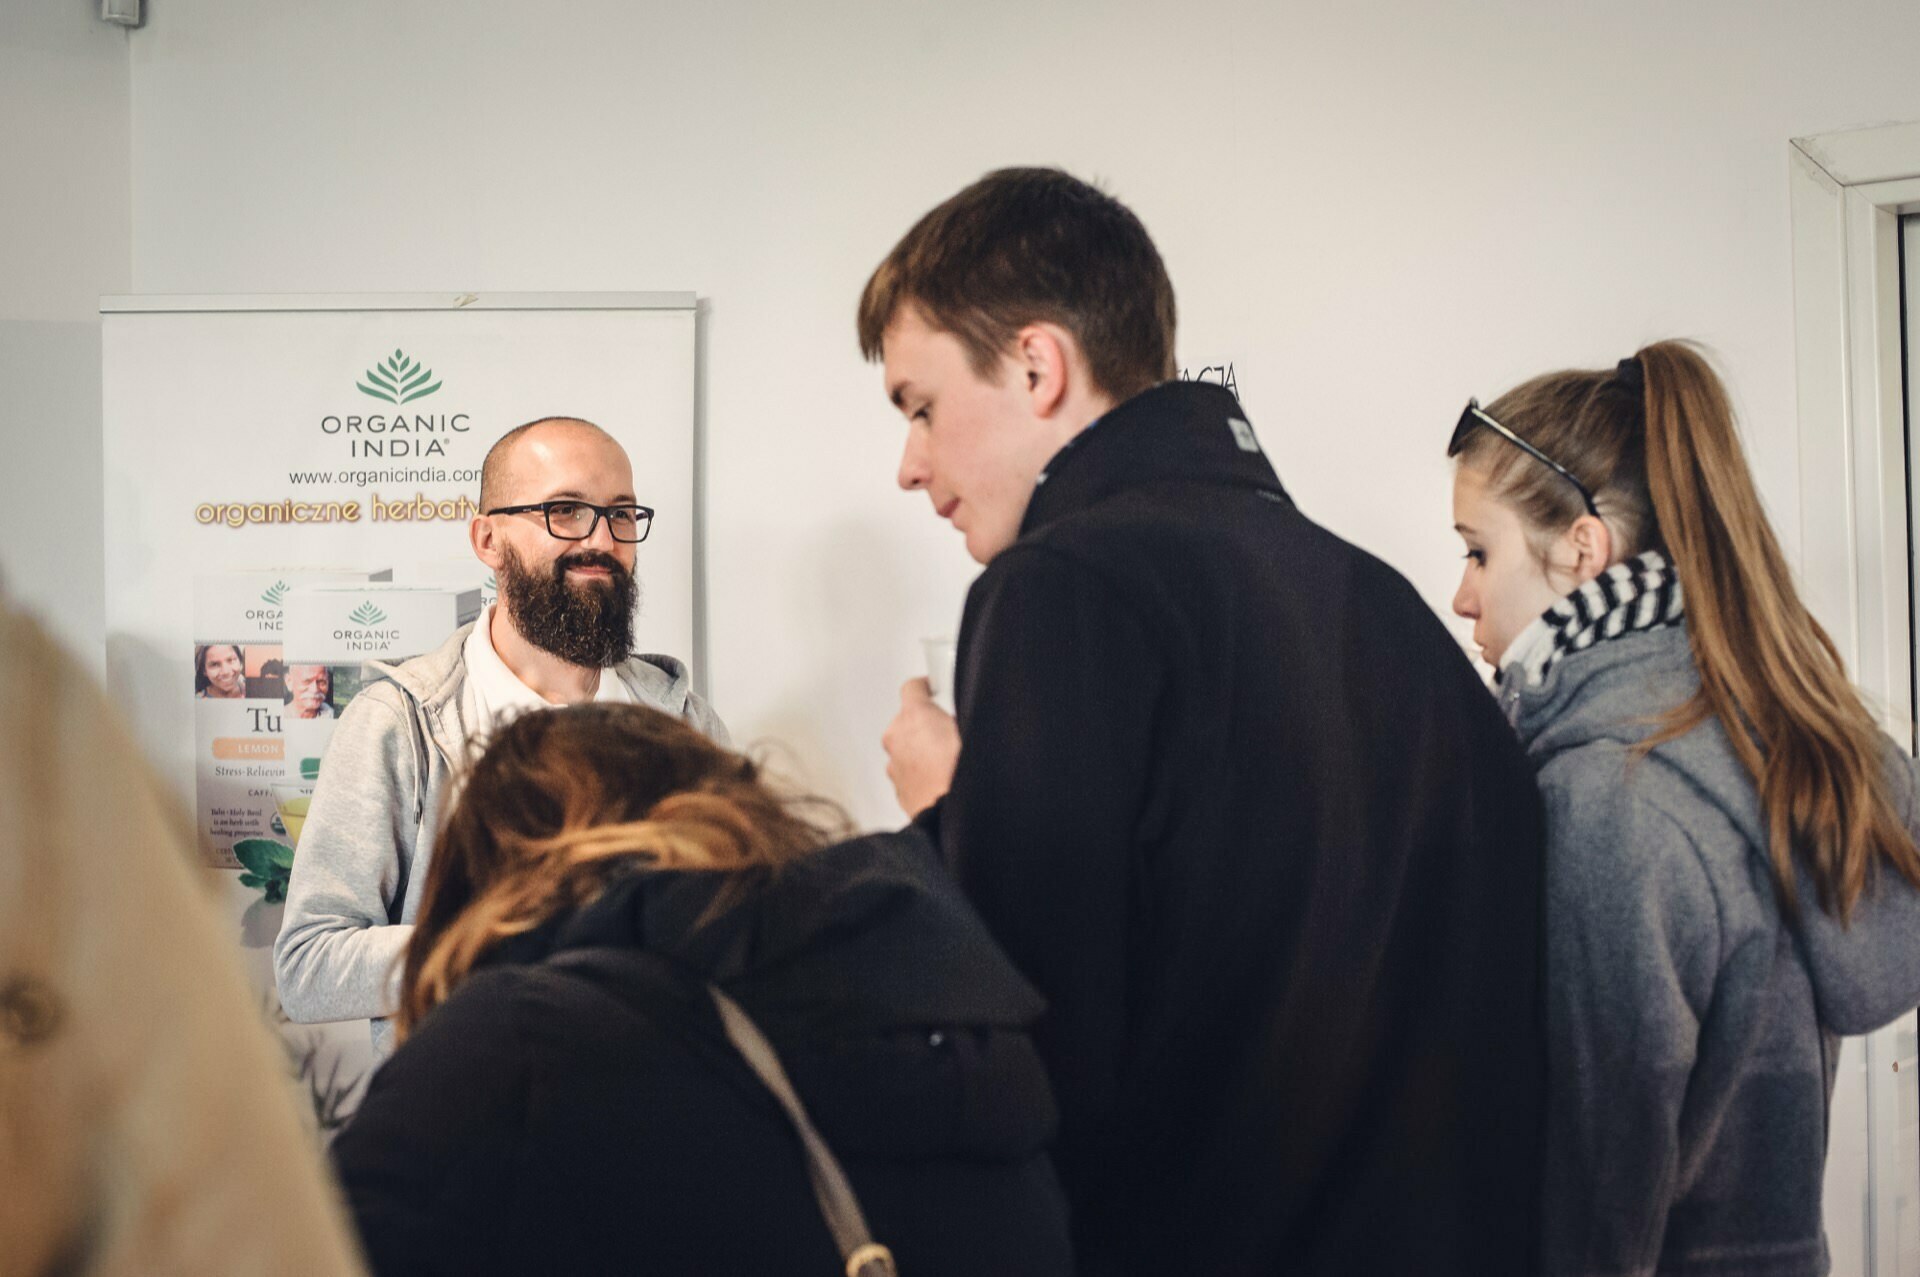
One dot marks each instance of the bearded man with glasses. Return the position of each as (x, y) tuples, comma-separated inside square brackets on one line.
[(559, 524)]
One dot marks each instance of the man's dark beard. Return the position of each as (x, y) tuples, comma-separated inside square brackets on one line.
[(590, 624)]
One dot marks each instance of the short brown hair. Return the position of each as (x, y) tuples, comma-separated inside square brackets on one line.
[(1027, 245)]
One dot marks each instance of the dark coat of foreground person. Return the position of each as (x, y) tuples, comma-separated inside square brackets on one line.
[(574, 1106)]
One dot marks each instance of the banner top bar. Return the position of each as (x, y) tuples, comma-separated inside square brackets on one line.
[(158, 303)]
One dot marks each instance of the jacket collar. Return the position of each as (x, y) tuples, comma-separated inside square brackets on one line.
[(1178, 430), (433, 681), (1640, 594), (436, 681), (1616, 691)]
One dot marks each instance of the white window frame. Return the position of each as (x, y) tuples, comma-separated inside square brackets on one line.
[(1848, 193)]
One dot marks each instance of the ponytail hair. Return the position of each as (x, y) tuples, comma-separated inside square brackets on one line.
[(561, 801), (1655, 441)]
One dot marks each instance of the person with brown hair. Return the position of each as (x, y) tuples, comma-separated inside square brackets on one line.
[(1221, 783), (566, 1099), (219, 671), (1731, 864)]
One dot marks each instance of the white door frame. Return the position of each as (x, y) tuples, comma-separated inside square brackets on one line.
[(1848, 192)]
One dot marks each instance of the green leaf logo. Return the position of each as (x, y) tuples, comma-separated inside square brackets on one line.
[(399, 379), (275, 594), (366, 614)]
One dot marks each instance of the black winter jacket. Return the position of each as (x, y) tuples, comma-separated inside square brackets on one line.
[(1232, 797), (559, 1118)]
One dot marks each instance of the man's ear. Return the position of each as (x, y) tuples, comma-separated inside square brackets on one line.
[(1043, 354), (486, 542)]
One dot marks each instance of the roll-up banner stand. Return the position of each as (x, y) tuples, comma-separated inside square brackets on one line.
[(289, 482)]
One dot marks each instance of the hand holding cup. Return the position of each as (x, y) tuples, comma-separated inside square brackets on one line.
[(923, 745)]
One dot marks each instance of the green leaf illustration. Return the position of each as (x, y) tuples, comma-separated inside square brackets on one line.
[(366, 614), (398, 379), (262, 855), (269, 866), (275, 593)]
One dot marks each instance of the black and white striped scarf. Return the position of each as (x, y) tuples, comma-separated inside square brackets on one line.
[(1640, 594)]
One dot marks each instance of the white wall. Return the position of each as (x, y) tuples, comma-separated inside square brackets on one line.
[(1374, 210), (64, 240)]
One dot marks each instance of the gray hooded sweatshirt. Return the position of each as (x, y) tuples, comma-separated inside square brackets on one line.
[(363, 854), (1691, 1026)]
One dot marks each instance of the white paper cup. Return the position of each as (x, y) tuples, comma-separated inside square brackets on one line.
[(941, 655)]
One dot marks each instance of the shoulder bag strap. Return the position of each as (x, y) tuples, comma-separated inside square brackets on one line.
[(865, 1257), (838, 1205)]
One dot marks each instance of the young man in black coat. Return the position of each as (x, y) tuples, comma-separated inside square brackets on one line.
[(1229, 793)]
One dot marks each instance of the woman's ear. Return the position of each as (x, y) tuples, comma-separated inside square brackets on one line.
[(1590, 542)]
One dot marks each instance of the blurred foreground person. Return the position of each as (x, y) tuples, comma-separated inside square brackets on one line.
[(146, 1123), (566, 1098)]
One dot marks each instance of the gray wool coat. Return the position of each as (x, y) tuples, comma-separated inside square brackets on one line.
[(1692, 1025)]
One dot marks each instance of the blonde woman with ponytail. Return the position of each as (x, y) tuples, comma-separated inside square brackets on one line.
[(1731, 861), (566, 1099)]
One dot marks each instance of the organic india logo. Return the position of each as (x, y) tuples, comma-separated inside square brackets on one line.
[(275, 595), (366, 614), (398, 379)]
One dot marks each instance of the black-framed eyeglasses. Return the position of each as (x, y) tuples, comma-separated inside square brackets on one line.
[(571, 520), (1474, 418)]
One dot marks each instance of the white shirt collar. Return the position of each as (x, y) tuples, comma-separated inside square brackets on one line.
[(1524, 663), (494, 691)]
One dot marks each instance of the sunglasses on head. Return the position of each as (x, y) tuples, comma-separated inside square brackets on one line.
[(1475, 418)]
